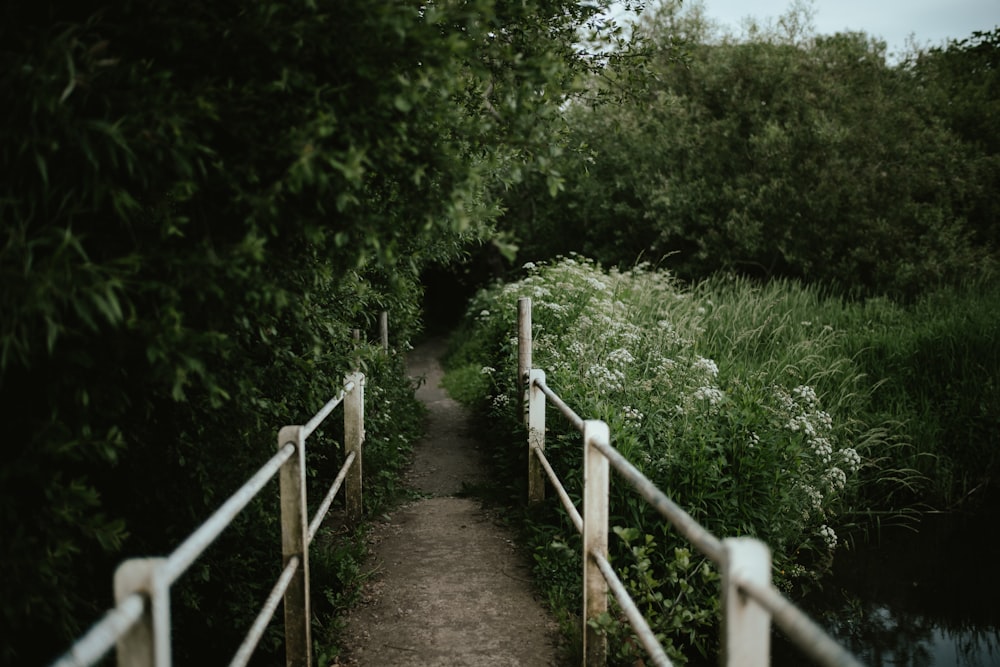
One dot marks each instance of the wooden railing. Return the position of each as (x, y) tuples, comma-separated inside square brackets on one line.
[(749, 601), (139, 625)]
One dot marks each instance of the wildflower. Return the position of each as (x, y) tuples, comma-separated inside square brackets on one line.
[(707, 366), (632, 414), (815, 497), (484, 313), (753, 441), (806, 395), (828, 536), (851, 458), (822, 448), (501, 401), (487, 370), (802, 423), (713, 395), (621, 356), (529, 266), (836, 479)]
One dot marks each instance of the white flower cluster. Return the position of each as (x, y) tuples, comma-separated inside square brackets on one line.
[(804, 416), (850, 458), (611, 379), (487, 370), (815, 499), (836, 479), (821, 447), (706, 366), (805, 396), (713, 395), (829, 536), (621, 356), (632, 414)]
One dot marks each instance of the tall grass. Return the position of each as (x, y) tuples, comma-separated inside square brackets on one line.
[(776, 410)]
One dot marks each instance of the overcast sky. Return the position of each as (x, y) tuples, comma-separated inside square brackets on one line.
[(931, 22)]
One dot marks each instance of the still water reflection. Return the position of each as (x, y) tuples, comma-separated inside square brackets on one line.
[(929, 598)]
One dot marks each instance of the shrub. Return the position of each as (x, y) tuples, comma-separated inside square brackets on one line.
[(748, 443)]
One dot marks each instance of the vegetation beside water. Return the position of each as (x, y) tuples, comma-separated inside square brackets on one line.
[(772, 410), (832, 211)]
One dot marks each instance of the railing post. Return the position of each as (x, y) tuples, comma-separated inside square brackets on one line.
[(595, 539), (354, 437), (147, 643), (536, 437), (383, 330), (524, 351), (294, 532), (746, 626)]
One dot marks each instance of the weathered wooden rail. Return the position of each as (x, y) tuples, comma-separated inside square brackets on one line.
[(749, 601), (138, 627)]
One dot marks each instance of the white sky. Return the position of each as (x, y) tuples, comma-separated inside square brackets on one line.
[(931, 22)]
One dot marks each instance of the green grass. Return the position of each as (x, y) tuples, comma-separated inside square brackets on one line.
[(777, 411)]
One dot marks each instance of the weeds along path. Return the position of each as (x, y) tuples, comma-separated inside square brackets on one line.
[(450, 588)]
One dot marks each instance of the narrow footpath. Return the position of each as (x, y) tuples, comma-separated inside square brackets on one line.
[(450, 587)]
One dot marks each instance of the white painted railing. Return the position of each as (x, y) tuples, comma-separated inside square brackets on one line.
[(749, 601), (139, 625)]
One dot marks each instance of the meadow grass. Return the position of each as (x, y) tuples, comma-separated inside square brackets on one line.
[(765, 410)]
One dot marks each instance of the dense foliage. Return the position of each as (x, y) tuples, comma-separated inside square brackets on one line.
[(781, 153), (199, 201), (754, 425), (774, 410)]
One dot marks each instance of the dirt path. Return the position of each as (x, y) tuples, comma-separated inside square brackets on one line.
[(451, 588)]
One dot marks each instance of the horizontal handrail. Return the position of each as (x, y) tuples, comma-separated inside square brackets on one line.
[(750, 602), (325, 411), (146, 593), (325, 505), (801, 629), (635, 617), (705, 541), (102, 635), (574, 513), (183, 556), (567, 411), (246, 649)]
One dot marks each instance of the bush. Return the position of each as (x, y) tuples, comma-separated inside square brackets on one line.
[(757, 444)]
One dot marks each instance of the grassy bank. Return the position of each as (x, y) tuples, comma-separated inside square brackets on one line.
[(766, 411)]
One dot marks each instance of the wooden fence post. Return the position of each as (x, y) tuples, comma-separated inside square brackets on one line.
[(595, 539), (383, 330), (147, 643), (536, 437), (746, 626), (294, 533), (354, 437), (524, 351)]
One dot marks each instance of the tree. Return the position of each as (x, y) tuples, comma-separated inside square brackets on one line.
[(199, 201), (781, 153)]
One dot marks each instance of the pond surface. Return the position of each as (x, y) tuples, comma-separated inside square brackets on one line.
[(929, 598)]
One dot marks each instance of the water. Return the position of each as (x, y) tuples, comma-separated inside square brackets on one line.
[(915, 599)]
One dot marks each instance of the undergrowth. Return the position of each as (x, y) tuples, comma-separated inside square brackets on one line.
[(768, 411)]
